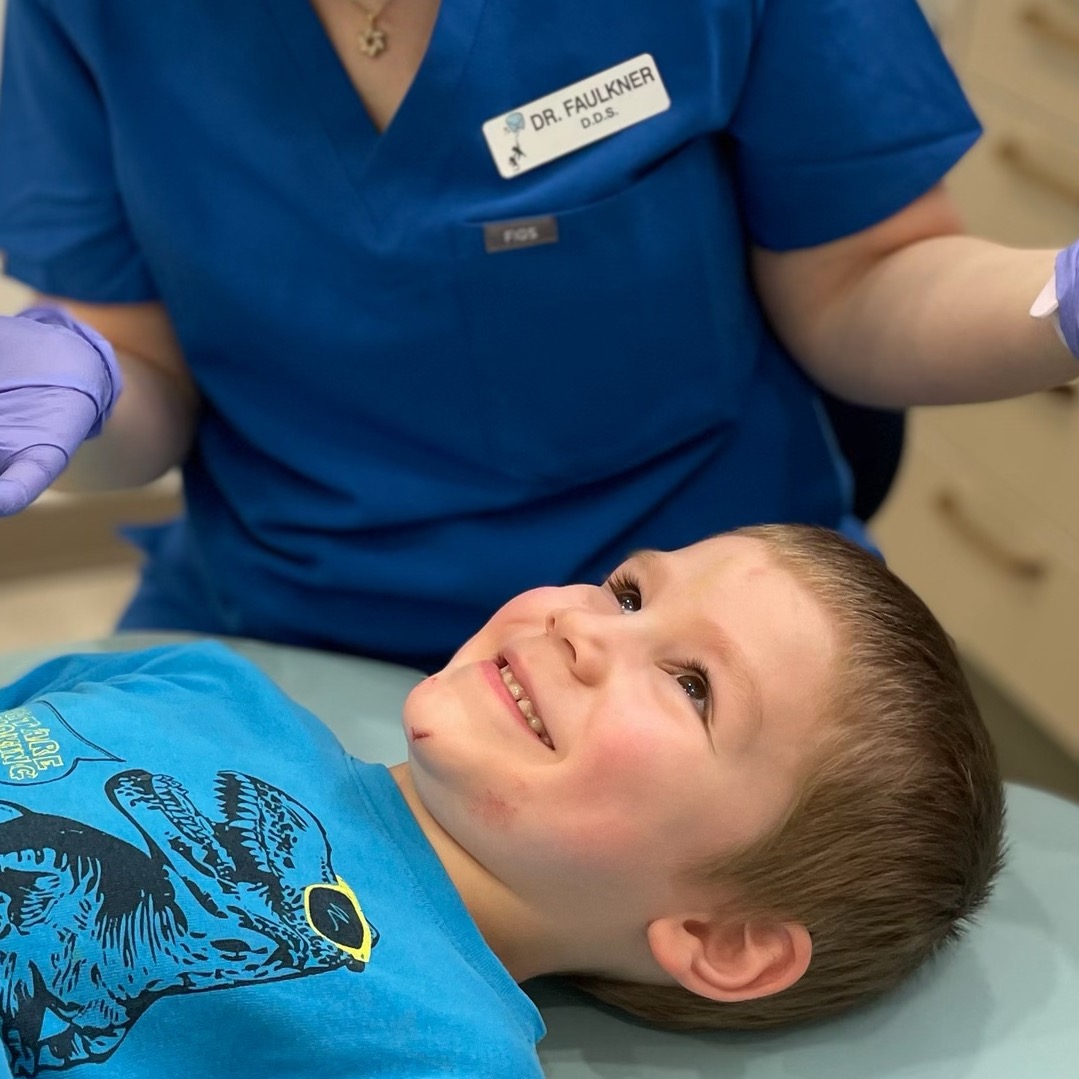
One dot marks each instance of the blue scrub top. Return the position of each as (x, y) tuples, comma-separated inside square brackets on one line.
[(401, 430)]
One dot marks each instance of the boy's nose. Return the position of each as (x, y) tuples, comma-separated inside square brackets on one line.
[(586, 638)]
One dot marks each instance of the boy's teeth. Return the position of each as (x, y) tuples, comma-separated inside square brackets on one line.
[(528, 709)]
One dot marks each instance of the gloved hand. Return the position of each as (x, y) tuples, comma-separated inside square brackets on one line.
[(58, 382), (1067, 283)]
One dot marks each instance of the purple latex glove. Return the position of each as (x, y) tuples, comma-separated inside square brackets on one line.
[(1067, 283), (58, 382)]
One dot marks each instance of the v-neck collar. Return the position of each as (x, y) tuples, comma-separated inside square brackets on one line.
[(378, 164)]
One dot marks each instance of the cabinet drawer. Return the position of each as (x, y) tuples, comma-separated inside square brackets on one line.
[(1019, 184), (62, 532), (1002, 580), (1032, 443), (1029, 46)]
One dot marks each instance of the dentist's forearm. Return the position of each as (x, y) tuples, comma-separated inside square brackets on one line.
[(149, 432), (942, 321), (152, 424)]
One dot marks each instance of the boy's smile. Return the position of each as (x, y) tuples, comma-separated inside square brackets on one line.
[(524, 703), (589, 744)]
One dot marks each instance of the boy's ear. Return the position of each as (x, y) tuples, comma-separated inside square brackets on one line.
[(731, 961)]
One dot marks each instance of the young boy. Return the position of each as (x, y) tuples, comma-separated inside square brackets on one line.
[(742, 783)]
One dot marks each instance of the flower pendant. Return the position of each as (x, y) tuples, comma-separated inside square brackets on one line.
[(372, 41)]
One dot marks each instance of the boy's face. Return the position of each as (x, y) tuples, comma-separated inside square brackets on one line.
[(676, 707)]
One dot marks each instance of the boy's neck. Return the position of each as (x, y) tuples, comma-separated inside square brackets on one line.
[(513, 932)]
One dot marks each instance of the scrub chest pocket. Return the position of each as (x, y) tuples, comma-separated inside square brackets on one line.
[(632, 333)]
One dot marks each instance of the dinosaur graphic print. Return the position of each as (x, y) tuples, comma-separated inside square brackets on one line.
[(94, 929)]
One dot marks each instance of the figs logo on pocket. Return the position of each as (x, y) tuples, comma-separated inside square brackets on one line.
[(334, 912), (37, 746)]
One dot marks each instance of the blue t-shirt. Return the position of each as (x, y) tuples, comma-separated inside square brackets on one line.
[(197, 881), (401, 429)]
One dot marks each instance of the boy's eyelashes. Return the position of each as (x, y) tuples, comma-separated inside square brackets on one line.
[(626, 589), (692, 675)]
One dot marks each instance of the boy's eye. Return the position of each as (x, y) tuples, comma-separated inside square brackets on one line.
[(694, 682), (627, 592)]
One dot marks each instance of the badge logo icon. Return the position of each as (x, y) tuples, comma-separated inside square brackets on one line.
[(515, 124)]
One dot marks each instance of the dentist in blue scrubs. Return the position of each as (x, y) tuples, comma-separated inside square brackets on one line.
[(435, 302)]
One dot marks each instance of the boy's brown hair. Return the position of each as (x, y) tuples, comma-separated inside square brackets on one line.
[(896, 835)]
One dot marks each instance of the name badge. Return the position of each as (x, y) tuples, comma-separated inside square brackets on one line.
[(584, 112)]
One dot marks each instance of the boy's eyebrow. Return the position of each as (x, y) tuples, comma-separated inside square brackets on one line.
[(731, 656), (746, 686), (647, 555)]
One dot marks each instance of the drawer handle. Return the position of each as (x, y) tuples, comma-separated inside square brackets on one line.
[(1019, 159), (1025, 567), (1050, 28)]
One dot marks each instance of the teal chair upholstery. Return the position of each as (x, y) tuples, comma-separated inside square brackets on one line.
[(1002, 1005)]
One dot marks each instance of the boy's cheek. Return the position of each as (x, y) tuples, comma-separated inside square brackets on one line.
[(609, 839), (626, 752)]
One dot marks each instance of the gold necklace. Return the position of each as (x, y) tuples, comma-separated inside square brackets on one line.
[(373, 40)]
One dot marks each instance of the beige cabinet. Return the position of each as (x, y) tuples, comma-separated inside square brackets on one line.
[(984, 521)]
